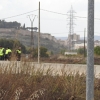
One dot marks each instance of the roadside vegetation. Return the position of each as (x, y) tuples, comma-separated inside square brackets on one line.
[(28, 83), (48, 56), (25, 81)]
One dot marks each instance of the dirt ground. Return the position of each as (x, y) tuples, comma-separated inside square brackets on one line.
[(68, 60)]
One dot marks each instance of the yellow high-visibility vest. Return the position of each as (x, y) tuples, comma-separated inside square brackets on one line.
[(1, 51), (19, 51), (8, 51)]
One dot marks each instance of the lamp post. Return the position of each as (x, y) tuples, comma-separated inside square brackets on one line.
[(90, 53)]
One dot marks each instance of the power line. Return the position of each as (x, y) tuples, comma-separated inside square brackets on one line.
[(65, 14), (19, 14), (80, 17), (46, 11), (53, 12), (60, 13)]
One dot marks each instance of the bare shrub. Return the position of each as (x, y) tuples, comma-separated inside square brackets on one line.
[(27, 82)]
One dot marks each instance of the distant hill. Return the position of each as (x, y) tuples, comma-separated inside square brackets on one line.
[(65, 38), (95, 37), (62, 38), (24, 36)]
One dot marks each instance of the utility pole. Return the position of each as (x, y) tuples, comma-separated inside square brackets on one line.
[(16, 37), (32, 20), (39, 35), (90, 53), (84, 43)]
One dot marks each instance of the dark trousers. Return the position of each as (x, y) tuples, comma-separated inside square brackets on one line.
[(18, 57), (2, 57)]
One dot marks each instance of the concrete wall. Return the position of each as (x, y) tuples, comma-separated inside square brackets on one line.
[(55, 68)]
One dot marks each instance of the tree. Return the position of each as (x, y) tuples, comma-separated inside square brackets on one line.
[(43, 52), (4, 24), (81, 51), (97, 50), (23, 26), (12, 44), (62, 51)]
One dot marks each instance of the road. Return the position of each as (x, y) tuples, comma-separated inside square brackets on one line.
[(53, 68)]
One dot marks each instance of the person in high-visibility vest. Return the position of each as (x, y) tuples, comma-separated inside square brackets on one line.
[(18, 54), (8, 54), (3, 50), (2, 53)]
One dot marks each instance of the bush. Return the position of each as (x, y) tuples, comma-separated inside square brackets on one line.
[(97, 50)]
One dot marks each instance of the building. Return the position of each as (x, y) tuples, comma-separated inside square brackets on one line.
[(80, 45), (72, 38), (96, 43)]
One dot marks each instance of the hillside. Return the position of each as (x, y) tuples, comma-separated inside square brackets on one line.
[(96, 37), (24, 36)]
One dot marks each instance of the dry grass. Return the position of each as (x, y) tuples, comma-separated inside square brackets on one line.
[(25, 82)]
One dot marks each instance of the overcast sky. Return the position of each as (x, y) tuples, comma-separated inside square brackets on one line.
[(54, 14)]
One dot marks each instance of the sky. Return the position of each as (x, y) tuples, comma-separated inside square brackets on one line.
[(54, 15)]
